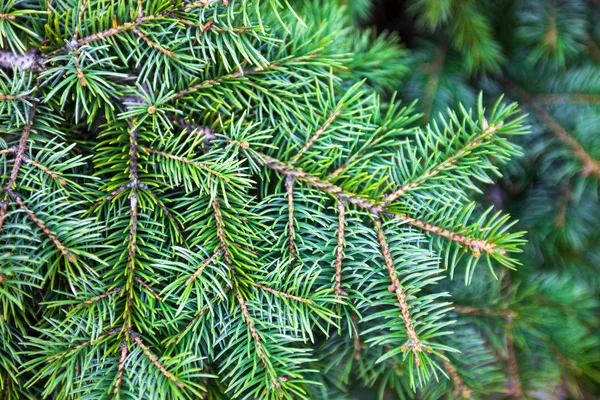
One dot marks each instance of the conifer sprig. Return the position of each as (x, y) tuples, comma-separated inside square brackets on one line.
[(241, 197)]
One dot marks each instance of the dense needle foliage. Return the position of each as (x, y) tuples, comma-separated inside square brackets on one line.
[(212, 200)]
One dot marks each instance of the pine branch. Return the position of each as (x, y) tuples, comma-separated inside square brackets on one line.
[(459, 385), (289, 184), (449, 162), (477, 246), (486, 311), (279, 293), (316, 136), (339, 250), (20, 151), (74, 349), (121, 368), (203, 266), (154, 360), (431, 87), (221, 231), (96, 299), (590, 165), (414, 344), (241, 74)]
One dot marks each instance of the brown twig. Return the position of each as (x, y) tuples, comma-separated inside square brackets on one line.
[(83, 344), (124, 350), (68, 255), (102, 296), (289, 184), (283, 294), (460, 388), (147, 287), (316, 136), (203, 266), (220, 230), (154, 360), (414, 343), (239, 74), (154, 45), (339, 251), (486, 311), (45, 170)]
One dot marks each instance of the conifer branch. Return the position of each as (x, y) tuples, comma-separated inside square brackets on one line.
[(356, 337), (317, 183), (316, 136), (289, 184), (133, 224), (339, 250), (414, 343), (477, 246), (591, 166), (147, 287), (563, 204), (486, 311), (460, 388), (65, 252), (260, 350), (477, 140), (594, 50), (241, 74), (154, 360), (431, 87), (198, 315), (203, 266), (154, 45), (21, 147), (515, 390), (568, 98), (110, 332), (220, 230), (279, 293), (121, 368), (102, 296), (45, 170), (183, 160)]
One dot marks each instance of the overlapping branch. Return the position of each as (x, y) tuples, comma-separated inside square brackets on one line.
[(414, 343), (486, 133), (478, 246)]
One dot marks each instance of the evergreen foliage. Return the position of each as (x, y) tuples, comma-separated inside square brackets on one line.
[(218, 199), (549, 63)]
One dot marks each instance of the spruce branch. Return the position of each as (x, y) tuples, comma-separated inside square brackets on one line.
[(591, 167), (289, 184), (477, 246), (460, 388), (339, 249), (414, 344), (442, 166), (154, 360), (244, 73)]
